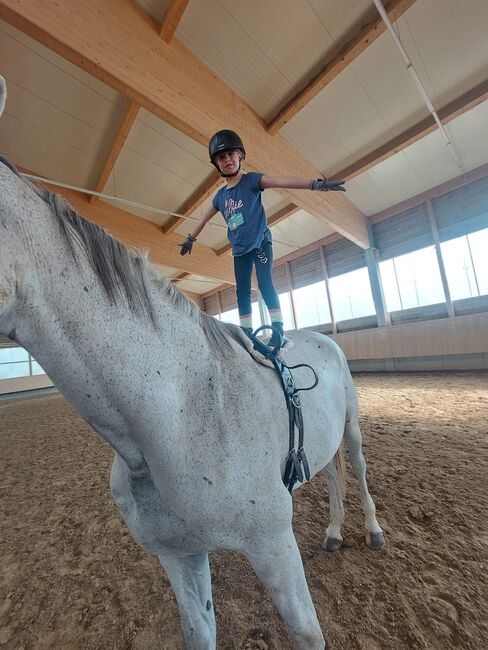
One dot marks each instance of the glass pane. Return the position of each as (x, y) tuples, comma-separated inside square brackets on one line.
[(13, 354), (37, 369), (231, 316), (256, 316), (286, 311), (459, 269), (478, 242), (11, 370), (311, 305), (351, 295), (390, 286), (419, 278)]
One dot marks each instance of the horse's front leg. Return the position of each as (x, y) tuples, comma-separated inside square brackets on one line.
[(190, 578), (277, 562)]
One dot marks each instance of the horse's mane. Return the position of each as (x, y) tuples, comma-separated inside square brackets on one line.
[(124, 273)]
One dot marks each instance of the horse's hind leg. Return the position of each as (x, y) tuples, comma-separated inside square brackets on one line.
[(278, 565), (335, 488), (190, 578), (352, 435)]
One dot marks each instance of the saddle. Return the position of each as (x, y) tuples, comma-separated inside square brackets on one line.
[(296, 466)]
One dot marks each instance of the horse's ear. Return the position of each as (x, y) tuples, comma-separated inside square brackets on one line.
[(3, 93)]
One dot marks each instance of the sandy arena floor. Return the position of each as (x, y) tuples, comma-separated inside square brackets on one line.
[(71, 578)]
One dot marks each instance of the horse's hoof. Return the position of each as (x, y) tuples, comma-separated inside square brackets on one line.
[(331, 544), (375, 541)]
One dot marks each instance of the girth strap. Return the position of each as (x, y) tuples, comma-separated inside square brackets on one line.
[(296, 466)]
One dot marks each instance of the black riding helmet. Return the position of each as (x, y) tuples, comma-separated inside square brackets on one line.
[(224, 140)]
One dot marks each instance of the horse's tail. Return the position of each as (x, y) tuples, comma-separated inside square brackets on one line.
[(340, 465)]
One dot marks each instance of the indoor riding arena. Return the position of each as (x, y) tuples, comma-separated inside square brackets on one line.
[(112, 104)]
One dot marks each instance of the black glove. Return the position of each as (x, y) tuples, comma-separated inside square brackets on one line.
[(187, 245), (323, 185)]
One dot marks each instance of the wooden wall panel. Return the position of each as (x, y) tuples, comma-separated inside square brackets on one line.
[(442, 337)]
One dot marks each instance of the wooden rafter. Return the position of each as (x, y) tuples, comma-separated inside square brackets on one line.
[(118, 143), (168, 28), (169, 81), (200, 195), (353, 48), (172, 18), (180, 277), (446, 114)]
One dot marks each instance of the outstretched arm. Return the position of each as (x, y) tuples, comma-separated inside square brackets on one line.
[(187, 245), (294, 183)]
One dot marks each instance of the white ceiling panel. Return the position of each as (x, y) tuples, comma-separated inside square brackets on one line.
[(155, 8), (375, 99), (448, 45), (29, 148), (167, 271), (256, 48), (424, 164), (297, 231), (59, 121), (197, 284)]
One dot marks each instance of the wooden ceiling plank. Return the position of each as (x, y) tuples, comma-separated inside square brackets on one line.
[(118, 143), (351, 50), (170, 82), (201, 194), (172, 19), (446, 114)]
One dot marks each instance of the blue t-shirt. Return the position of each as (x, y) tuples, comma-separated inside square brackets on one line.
[(241, 207)]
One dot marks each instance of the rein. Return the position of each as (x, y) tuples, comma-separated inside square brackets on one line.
[(296, 467)]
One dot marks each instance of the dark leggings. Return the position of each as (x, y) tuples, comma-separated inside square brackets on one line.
[(263, 259)]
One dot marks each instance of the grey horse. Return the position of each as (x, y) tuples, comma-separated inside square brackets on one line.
[(199, 427)]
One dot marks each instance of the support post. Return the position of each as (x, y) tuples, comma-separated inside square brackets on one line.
[(440, 260), (371, 254)]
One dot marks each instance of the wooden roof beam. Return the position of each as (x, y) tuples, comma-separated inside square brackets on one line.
[(113, 41), (180, 277), (168, 28), (201, 194), (144, 235), (172, 18), (446, 114), (351, 50)]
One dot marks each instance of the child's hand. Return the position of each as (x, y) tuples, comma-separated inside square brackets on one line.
[(323, 185), (187, 245)]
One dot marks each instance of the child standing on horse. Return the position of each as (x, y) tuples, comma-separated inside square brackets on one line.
[(239, 201)]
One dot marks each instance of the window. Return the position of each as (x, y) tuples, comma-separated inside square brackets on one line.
[(466, 264), (311, 305), (286, 311), (231, 316), (412, 280), (256, 316), (17, 362), (351, 296)]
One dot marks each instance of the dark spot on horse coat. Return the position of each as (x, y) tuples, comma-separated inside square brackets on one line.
[(209, 605), (85, 288), (253, 502), (208, 480), (158, 373)]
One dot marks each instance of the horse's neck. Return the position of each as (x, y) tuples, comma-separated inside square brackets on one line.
[(83, 341)]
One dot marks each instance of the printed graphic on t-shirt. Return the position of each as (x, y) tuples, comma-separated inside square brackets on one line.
[(234, 219)]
